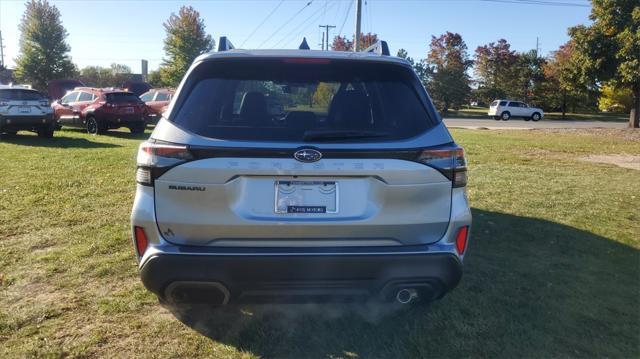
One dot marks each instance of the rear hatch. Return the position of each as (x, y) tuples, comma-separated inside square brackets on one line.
[(124, 103), (300, 152), (22, 102)]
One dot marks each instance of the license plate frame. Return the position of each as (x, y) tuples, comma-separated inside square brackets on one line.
[(127, 110), (282, 207), (24, 109)]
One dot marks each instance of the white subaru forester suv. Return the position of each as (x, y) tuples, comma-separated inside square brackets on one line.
[(288, 174)]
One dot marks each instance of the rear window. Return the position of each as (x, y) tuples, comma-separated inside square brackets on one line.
[(20, 95), (119, 97), (276, 100), (494, 104)]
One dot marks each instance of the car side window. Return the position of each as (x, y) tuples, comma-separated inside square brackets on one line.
[(85, 96), (503, 103), (147, 97), (69, 98), (162, 97)]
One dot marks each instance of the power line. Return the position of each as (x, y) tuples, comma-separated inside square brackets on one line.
[(262, 23), (301, 28), (285, 23), (345, 18), (539, 2), (311, 19)]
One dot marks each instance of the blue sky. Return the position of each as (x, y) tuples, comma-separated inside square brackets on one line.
[(103, 32)]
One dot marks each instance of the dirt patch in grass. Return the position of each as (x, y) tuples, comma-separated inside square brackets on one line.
[(625, 161)]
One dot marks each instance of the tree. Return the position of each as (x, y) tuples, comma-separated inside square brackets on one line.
[(186, 39), (614, 99), (448, 63), (562, 84), (155, 79), (494, 68), (608, 50), (341, 43), (112, 76), (529, 77), (43, 48)]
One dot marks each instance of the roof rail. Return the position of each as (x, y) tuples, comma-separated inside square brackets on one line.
[(224, 44), (379, 47), (304, 45)]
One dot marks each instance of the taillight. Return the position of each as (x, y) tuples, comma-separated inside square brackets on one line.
[(449, 161), (461, 239), (141, 240), (154, 159)]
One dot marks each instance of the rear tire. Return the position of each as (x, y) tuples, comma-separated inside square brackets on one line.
[(536, 117), (93, 126), (45, 132), (505, 116), (138, 128)]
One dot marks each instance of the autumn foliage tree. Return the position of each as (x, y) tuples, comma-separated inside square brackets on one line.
[(448, 62), (609, 49), (44, 52), (342, 43), (186, 39)]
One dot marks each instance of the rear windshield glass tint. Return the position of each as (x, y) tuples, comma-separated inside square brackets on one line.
[(122, 97), (20, 95), (274, 100)]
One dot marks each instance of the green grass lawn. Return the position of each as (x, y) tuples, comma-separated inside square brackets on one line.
[(553, 267), (481, 113)]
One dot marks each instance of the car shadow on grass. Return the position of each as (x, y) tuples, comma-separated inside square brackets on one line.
[(531, 288), (58, 141)]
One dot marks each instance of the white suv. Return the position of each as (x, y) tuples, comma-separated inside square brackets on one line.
[(22, 108), (505, 109)]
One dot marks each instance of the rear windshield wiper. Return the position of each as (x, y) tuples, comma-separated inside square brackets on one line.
[(336, 135)]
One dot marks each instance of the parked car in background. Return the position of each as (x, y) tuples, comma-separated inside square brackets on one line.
[(25, 109), (98, 110), (58, 88), (505, 109), (241, 201), (157, 101)]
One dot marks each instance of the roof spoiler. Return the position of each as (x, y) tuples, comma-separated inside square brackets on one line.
[(379, 47), (224, 44)]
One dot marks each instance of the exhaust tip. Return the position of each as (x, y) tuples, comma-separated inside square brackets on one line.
[(406, 296), (213, 293)]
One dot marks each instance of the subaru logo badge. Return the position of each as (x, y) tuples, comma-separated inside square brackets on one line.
[(307, 155)]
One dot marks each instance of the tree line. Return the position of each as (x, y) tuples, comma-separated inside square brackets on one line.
[(598, 68)]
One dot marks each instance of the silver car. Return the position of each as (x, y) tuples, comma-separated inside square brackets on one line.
[(300, 175), (25, 109)]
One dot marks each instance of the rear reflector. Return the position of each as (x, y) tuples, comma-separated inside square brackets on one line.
[(461, 239), (141, 240)]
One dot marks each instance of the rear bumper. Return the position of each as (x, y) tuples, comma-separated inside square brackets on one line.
[(26, 122), (119, 120), (252, 278)]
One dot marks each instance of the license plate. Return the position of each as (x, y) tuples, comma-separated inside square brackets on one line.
[(24, 109), (127, 110), (314, 197)]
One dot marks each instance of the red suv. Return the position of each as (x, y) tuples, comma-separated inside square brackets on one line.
[(99, 110), (157, 101)]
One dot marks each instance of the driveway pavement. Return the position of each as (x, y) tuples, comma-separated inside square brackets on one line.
[(517, 124)]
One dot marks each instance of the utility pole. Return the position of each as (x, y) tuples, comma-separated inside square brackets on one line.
[(356, 39), (325, 35), (537, 46), (1, 51)]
